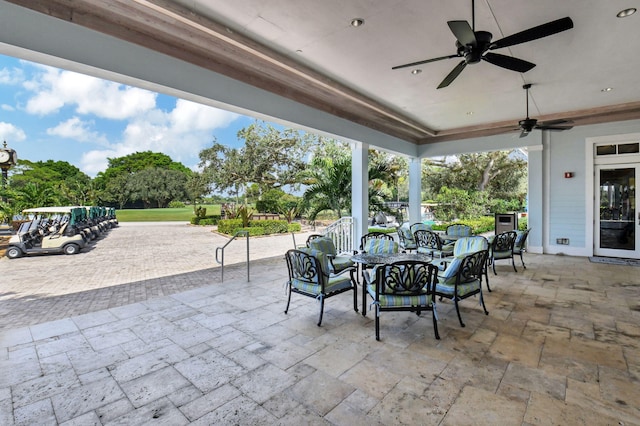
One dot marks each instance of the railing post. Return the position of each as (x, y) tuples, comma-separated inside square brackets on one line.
[(220, 250)]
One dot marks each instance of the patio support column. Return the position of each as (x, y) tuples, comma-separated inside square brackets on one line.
[(536, 202), (360, 189), (415, 190)]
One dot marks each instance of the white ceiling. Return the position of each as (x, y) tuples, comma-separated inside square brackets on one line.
[(572, 67), (307, 51)]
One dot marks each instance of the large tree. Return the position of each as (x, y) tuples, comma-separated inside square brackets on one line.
[(149, 177), (269, 158), (499, 174)]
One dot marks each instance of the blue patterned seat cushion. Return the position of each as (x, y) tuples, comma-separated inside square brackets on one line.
[(342, 262), (324, 244), (463, 289), (459, 230), (502, 254), (399, 300), (380, 246), (333, 284), (467, 245)]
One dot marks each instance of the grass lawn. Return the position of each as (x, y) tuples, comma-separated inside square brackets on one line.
[(162, 215)]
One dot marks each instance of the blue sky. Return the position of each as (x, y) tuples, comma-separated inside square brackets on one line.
[(48, 113)]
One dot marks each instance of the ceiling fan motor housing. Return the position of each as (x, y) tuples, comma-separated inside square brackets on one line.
[(528, 124), (473, 54)]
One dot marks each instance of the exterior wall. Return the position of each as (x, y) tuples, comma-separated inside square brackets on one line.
[(569, 212)]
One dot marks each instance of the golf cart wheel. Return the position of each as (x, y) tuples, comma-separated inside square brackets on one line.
[(14, 252), (71, 249)]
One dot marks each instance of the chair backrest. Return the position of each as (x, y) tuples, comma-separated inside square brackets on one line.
[(364, 240), (467, 245), (459, 230), (313, 237), (465, 269), (427, 239), (521, 239), (406, 278), (323, 244), (308, 266), (503, 242), (419, 225)]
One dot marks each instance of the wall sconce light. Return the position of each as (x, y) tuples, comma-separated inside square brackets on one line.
[(568, 175)]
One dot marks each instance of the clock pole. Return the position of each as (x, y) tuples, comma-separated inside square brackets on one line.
[(8, 159)]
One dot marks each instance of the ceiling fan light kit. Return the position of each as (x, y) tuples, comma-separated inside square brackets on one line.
[(474, 46)]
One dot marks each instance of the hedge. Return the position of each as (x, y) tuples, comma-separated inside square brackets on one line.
[(206, 220), (257, 227)]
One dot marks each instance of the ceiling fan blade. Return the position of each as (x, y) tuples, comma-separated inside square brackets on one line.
[(534, 33), (426, 61), (463, 32), (558, 128), (508, 62), (453, 74), (524, 134)]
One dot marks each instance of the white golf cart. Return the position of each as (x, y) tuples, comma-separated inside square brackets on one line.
[(49, 230)]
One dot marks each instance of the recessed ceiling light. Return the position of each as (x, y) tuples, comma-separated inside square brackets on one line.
[(626, 12), (416, 71), (607, 89), (469, 112), (357, 22)]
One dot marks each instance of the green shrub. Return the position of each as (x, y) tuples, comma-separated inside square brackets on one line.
[(195, 220), (176, 204), (270, 226), (229, 226), (201, 212), (294, 227), (383, 230)]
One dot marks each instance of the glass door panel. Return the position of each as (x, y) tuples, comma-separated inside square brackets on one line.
[(616, 232)]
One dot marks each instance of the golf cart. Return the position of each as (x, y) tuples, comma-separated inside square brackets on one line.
[(50, 230)]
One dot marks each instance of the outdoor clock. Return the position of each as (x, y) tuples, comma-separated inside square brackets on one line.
[(5, 156)]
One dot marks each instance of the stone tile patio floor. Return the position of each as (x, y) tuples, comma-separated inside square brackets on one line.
[(139, 336)]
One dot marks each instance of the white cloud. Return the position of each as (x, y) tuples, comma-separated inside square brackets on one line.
[(79, 130), (181, 134), (11, 133), (11, 76), (6, 107), (56, 88)]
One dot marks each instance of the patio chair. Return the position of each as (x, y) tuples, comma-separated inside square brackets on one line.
[(338, 262), (309, 276), (429, 242), (464, 246), (405, 238), (378, 242), (519, 246), (502, 248), (403, 286), (463, 279)]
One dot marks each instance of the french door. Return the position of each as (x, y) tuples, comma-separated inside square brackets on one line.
[(617, 220)]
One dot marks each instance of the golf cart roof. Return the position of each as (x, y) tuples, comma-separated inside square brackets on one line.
[(65, 209)]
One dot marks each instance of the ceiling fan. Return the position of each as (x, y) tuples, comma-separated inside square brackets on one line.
[(528, 124), (474, 46)]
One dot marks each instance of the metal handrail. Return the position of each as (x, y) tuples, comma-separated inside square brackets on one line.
[(221, 250)]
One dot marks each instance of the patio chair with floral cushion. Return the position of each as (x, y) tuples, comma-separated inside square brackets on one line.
[(519, 246), (309, 275), (429, 242), (403, 286), (502, 248), (405, 238), (463, 279), (338, 262), (464, 246)]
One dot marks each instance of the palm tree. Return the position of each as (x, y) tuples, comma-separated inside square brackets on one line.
[(330, 185), (34, 195)]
